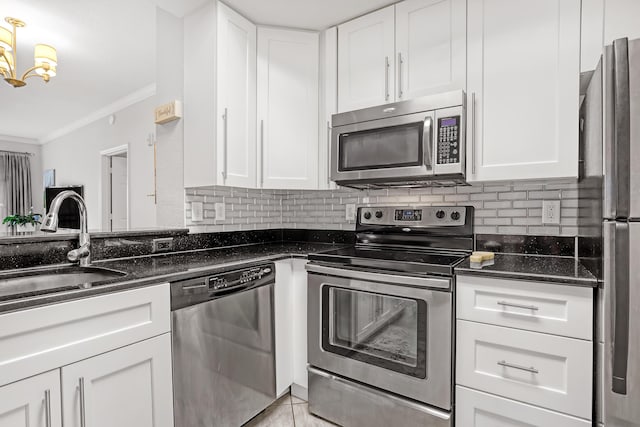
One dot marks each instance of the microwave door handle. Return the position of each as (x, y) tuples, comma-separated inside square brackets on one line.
[(427, 141)]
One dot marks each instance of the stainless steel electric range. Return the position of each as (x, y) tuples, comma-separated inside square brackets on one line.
[(380, 318)]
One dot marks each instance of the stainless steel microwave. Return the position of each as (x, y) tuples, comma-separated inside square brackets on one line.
[(419, 142)]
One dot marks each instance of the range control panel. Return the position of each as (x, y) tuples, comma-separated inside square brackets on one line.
[(419, 216), (448, 140)]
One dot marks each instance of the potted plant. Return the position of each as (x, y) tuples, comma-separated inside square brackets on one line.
[(23, 223)]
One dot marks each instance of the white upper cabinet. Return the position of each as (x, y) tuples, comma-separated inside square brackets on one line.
[(366, 60), (220, 98), (430, 47), (288, 64), (236, 98), (411, 49), (523, 89)]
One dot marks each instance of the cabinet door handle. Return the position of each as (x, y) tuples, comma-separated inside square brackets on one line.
[(225, 119), (400, 93), (511, 304), (47, 407), (386, 78), (522, 368), (261, 152), (473, 133), (83, 419)]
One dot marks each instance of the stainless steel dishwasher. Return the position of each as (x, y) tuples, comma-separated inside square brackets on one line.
[(223, 346)]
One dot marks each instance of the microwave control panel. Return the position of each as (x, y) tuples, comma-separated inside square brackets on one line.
[(448, 140)]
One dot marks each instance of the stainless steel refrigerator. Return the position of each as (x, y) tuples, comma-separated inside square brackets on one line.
[(610, 221)]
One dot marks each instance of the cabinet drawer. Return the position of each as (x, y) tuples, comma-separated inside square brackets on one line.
[(544, 370), (44, 338), (478, 409), (534, 306)]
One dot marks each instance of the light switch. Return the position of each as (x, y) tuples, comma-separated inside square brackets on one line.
[(197, 213), (220, 211)]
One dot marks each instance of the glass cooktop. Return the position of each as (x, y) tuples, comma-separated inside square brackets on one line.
[(412, 261)]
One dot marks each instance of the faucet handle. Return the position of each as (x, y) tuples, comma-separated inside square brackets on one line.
[(77, 254)]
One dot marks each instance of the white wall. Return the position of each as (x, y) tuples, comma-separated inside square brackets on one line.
[(170, 136), (36, 170), (76, 160)]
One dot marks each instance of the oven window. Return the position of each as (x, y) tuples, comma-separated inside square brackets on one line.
[(389, 147), (381, 330)]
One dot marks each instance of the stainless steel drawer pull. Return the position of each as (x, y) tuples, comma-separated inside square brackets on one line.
[(522, 368), (47, 407), (511, 304), (83, 420)]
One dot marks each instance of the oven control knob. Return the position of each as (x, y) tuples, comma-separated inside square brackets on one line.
[(440, 214), (455, 215), (367, 215), (378, 214)]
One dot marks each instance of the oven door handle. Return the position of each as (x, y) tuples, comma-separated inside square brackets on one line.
[(423, 282), (423, 408)]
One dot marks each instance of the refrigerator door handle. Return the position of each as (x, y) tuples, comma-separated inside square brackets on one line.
[(622, 127), (620, 313)]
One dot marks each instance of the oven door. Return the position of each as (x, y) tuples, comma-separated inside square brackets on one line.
[(384, 334), (386, 149)]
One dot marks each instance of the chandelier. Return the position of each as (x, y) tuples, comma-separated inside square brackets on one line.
[(45, 57)]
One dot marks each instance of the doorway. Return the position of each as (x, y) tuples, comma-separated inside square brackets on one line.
[(115, 188)]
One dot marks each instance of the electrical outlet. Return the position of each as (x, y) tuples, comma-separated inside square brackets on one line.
[(220, 211), (197, 211), (551, 211), (162, 245), (350, 212)]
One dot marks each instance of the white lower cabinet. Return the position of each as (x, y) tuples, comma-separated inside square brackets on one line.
[(291, 327), (524, 353), (128, 387), (32, 402), (478, 409), (91, 362)]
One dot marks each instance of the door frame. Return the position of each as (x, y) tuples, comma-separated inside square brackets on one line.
[(105, 184)]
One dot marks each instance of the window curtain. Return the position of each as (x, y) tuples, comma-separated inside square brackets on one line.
[(15, 184)]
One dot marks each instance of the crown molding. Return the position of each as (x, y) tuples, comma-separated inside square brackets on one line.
[(18, 139), (114, 107)]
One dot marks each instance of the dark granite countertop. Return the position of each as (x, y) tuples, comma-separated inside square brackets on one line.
[(149, 270), (544, 268)]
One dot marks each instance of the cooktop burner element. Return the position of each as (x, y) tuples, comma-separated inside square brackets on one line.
[(414, 240)]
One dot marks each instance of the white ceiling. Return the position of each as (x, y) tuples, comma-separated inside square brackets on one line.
[(307, 14), (103, 55), (106, 51)]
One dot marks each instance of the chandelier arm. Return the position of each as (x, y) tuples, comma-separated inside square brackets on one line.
[(26, 74), (12, 71)]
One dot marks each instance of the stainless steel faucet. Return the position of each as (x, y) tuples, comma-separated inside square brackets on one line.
[(50, 225)]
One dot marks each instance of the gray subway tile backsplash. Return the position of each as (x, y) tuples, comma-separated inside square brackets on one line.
[(504, 208)]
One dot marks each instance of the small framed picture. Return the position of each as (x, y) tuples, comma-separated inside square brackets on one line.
[(49, 178)]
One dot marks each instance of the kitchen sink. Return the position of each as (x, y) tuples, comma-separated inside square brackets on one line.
[(40, 280)]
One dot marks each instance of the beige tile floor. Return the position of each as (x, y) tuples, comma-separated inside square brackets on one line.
[(288, 411)]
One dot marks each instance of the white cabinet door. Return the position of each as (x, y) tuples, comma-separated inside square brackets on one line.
[(288, 108), (299, 310), (430, 47), (328, 102), (477, 409), (283, 325), (236, 140), (366, 60), (128, 387), (32, 402), (523, 70)]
